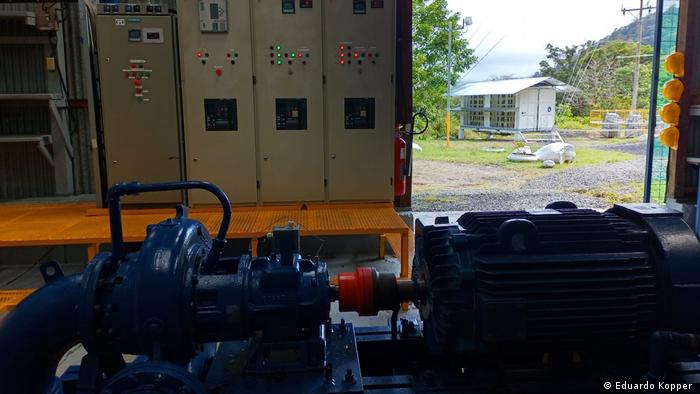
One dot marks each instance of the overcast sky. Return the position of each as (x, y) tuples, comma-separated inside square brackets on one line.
[(526, 27)]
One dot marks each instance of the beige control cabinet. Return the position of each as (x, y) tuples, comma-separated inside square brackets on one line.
[(359, 56), (288, 52), (139, 93), (217, 84)]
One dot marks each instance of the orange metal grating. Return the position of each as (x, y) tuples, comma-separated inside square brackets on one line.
[(82, 224), (10, 298)]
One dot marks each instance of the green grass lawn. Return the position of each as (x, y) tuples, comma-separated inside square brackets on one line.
[(471, 152)]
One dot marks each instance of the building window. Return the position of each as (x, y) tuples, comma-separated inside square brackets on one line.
[(503, 101), (475, 118), (503, 119), (475, 102)]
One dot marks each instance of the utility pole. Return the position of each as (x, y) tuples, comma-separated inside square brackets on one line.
[(465, 22), (635, 83)]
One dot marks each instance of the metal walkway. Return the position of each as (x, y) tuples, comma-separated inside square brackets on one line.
[(82, 224)]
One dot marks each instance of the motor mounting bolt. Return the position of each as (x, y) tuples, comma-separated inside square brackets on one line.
[(349, 377), (158, 378)]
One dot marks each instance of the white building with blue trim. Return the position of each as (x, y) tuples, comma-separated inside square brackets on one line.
[(509, 106)]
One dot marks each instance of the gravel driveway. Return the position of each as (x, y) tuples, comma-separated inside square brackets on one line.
[(443, 186)]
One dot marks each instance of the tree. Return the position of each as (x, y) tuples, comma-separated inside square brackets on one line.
[(502, 77), (431, 20), (561, 63), (602, 72)]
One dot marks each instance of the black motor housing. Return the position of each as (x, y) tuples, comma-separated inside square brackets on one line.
[(563, 278)]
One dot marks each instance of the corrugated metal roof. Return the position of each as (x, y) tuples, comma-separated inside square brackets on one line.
[(508, 86)]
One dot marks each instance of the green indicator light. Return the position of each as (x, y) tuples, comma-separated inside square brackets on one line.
[(279, 55), (279, 47), (279, 62), (294, 54)]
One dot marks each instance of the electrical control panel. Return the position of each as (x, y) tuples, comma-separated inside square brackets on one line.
[(217, 76), (139, 94), (289, 99), (360, 98), (213, 16)]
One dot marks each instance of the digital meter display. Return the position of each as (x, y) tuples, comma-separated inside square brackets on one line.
[(291, 114), (359, 113), (220, 115)]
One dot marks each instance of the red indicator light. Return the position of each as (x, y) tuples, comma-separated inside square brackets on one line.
[(357, 54), (199, 54), (300, 54), (133, 65), (342, 47), (342, 55), (342, 62), (218, 72), (137, 82)]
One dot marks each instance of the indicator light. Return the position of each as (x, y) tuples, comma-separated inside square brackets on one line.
[(228, 55), (279, 47), (300, 54), (342, 55), (279, 55), (342, 62), (218, 72), (199, 54), (206, 54), (357, 54), (279, 62), (294, 55), (133, 65)]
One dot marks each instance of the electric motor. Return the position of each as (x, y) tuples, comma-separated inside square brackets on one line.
[(560, 278)]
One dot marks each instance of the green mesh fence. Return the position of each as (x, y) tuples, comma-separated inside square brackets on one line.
[(659, 169)]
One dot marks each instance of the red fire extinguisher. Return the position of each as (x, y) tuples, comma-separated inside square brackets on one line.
[(399, 164), (402, 156)]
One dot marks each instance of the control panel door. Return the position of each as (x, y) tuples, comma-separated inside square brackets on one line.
[(289, 99), (217, 75), (360, 98), (139, 96)]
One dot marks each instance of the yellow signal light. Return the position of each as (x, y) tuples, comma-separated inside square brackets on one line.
[(675, 64), (669, 137), (673, 90), (670, 113)]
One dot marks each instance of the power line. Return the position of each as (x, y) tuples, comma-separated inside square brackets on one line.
[(640, 21), (483, 57)]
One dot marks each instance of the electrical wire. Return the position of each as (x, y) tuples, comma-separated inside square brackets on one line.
[(483, 57), (30, 268)]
